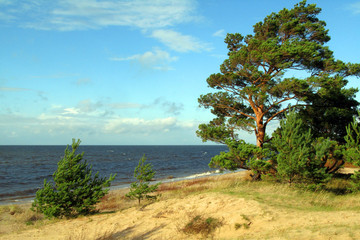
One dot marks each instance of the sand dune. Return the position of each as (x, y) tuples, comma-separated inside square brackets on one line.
[(165, 219)]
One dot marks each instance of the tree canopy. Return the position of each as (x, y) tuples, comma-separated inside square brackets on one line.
[(260, 80)]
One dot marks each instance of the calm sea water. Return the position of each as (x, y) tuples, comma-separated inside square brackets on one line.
[(24, 168)]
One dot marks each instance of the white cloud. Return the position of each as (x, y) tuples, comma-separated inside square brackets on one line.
[(125, 123), (87, 106), (59, 129), (70, 111), (68, 15), (355, 7), (178, 42), (143, 126), (124, 105), (57, 125), (156, 59), (84, 109), (220, 33)]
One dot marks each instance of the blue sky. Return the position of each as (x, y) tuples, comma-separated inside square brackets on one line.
[(128, 72)]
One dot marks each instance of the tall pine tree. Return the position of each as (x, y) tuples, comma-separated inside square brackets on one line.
[(254, 87)]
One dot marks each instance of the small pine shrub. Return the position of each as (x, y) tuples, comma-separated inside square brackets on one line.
[(141, 189), (352, 153), (75, 191), (300, 157)]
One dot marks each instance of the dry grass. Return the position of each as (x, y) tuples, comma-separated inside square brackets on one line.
[(15, 218), (284, 196), (199, 224), (112, 202), (334, 197), (83, 234), (275, 197), (184, 188)]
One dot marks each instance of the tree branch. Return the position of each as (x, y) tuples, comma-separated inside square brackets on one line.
[(283, 110), (277, 103), (232, 108)]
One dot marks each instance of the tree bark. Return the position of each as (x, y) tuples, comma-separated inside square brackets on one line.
[(260, 133)]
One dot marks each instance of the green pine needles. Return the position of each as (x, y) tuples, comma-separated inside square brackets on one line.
[(352, 139), (141, 188), (300, 158), (352, 153), (75, 191), (294, 146)]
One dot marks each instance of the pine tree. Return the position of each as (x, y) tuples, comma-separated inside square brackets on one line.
[(294, 147), (76, 189), (244, 155), (254, 86), (141, 188), (300, 157), (352, 139), (352, 153)]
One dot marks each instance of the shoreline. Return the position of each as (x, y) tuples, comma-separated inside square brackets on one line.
[(30, 199), (118, 187)]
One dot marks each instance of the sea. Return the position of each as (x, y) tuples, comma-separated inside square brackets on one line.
[(24, 168)]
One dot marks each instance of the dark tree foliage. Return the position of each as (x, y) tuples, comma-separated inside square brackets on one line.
[(255, 86), (76, 189), (330, 110), (246, 156)]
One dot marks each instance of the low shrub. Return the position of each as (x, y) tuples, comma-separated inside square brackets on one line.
[(202, 225)]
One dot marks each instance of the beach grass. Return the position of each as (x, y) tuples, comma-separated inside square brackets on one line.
[(15, 218), (276, 200)]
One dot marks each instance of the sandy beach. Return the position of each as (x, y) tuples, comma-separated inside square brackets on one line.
[(241, 217)]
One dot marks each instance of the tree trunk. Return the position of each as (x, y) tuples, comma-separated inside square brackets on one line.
[(256, 176), (260, 134)]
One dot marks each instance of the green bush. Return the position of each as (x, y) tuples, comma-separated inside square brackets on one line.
[(75, 191), (352, 153), (202, 225), (244, 155), (300, 157), (141, 188)]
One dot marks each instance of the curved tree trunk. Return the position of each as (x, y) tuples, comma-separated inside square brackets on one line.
[(260, 137)]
